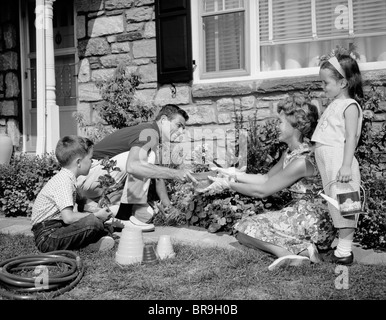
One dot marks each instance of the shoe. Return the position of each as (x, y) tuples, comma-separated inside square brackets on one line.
[(143, 212), (134, 222), (290, 260), (124, 211), (118, 224), (314, 254), (332, 258), (114, 209), (103, 244), (115, 224)]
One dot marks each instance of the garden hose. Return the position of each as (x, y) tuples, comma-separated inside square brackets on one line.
[(20, 287)]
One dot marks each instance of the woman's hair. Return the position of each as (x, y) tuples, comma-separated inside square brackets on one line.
[(301, 114), (347, 60), (70, 147), (170, 111)]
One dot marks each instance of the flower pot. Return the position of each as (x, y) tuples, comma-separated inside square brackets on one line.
[(202, 179), (6, 148)]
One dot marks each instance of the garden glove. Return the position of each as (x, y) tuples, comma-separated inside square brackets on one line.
[(218, 185), (230, 172)]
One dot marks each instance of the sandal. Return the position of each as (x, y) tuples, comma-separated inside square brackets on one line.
[(290, 260)]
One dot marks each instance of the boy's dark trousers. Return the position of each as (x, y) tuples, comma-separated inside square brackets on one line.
[(51, 235)]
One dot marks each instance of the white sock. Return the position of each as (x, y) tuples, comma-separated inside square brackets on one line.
[(343, 248)]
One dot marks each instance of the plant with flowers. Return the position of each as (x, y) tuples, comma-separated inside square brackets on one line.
[(202, 157), (107, 183)]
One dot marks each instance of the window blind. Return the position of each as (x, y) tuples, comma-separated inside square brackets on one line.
[(333, 18), (224, 38), (369, 16), (221, 5), (330, 21), (285, 21)]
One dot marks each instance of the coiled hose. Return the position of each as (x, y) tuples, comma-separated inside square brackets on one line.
[(61, 282)]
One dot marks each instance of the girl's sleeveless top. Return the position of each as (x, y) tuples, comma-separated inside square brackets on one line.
[(331, 127)]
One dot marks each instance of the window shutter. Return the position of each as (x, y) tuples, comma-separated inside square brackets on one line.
[(174, 41)]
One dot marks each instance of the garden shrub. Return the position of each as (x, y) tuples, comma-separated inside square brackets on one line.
[(371, 155), (120, 108), (371, 231), (96, 131), (21, 181)]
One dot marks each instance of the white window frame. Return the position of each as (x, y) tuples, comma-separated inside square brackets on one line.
[(252, 50)]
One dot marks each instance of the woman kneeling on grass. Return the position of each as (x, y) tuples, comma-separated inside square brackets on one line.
[(294, 233)]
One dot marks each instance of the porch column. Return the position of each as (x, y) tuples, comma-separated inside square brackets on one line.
[(53, 125), (40, 26), (47, 110)]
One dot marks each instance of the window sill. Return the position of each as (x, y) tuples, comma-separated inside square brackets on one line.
[(237, 88), (274, 85)]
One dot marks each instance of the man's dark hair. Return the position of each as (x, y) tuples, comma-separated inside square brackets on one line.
[(170, 111)]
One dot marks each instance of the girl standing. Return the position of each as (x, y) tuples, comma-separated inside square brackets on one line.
[(336, 137)]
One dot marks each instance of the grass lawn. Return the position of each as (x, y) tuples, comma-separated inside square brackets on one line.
[(198, 273)]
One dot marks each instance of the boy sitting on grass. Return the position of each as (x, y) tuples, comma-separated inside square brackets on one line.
[(56, 224)]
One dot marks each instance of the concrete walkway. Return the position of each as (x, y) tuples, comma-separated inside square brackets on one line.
[(189, 235)]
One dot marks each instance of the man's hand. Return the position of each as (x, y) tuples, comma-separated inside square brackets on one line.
[(103, 214), (185, 176)]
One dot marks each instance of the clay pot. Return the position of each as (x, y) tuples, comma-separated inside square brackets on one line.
[(202, 179), (6, 148)]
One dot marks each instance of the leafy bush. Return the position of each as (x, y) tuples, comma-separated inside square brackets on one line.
[(371, 155), (96, 131), (264, 149), (371, 231), (218, 212), (22, 180), (121, 108)]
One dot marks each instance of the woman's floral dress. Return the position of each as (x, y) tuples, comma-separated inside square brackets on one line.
[(306, 220)]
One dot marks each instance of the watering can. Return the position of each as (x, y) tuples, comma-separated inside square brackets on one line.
[(348, 203)]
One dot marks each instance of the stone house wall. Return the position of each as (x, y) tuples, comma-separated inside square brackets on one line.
[(10, 94), (114, 30)]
